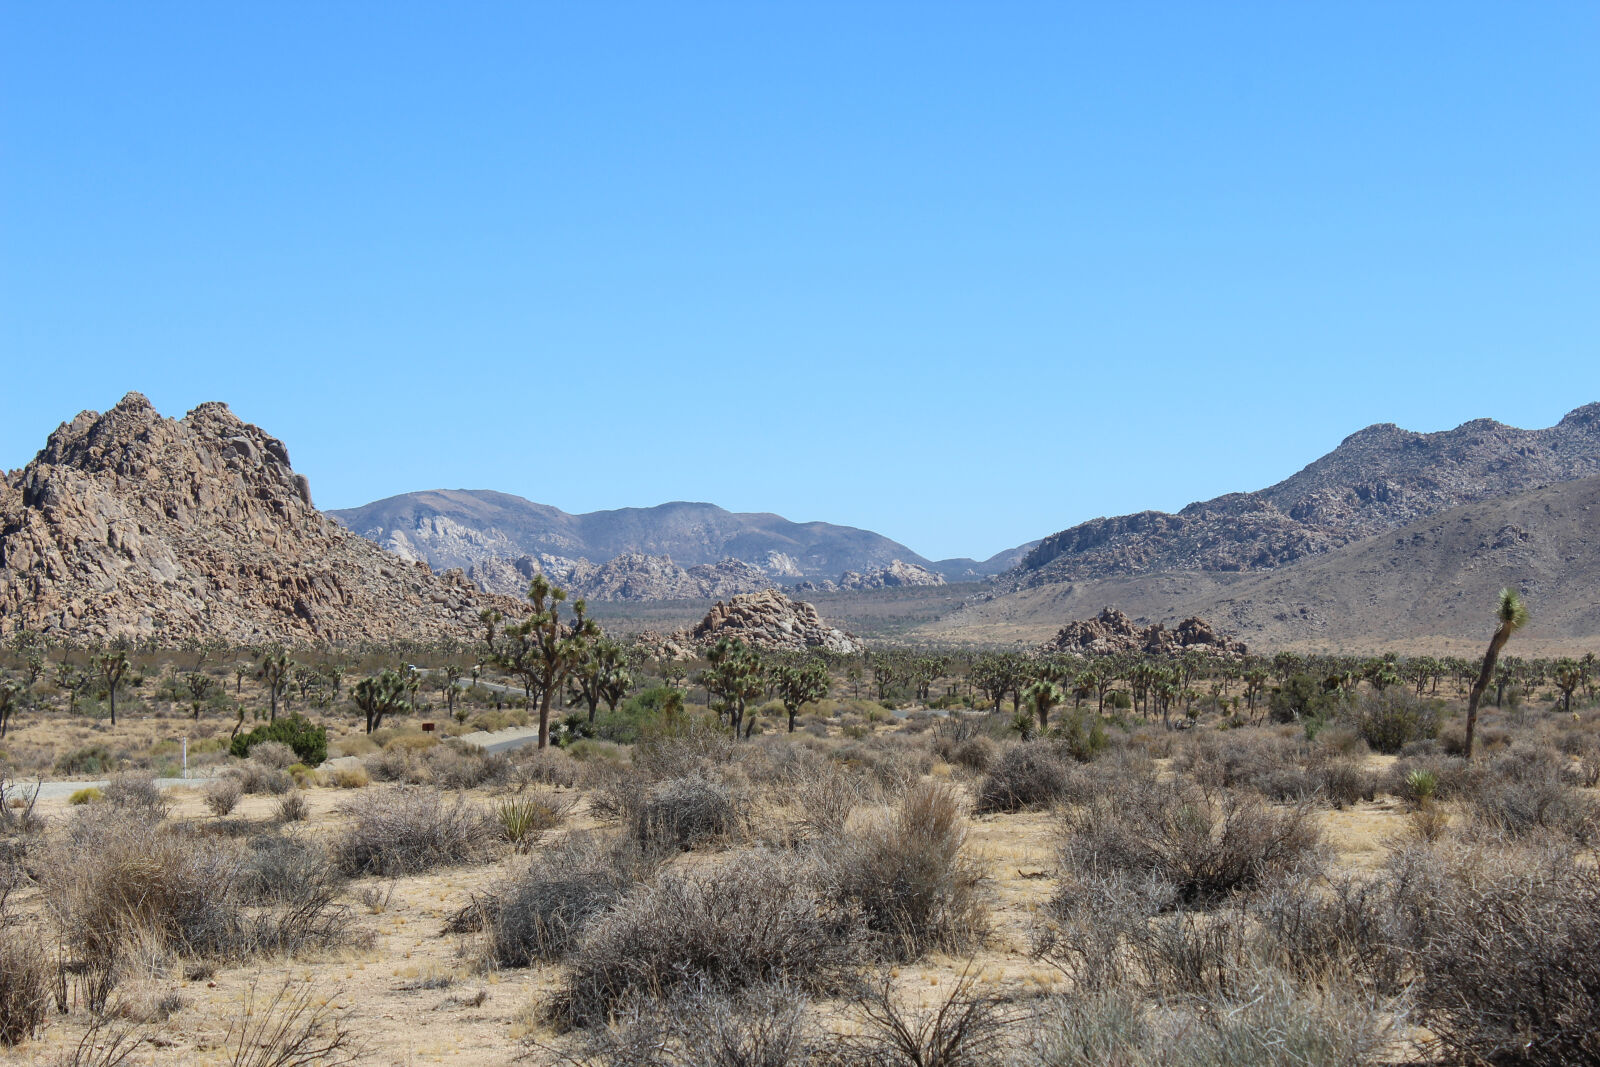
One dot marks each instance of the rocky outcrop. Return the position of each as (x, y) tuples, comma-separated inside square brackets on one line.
[(1378, 479), (894, 576), (769, 619), (1113, 632), (130, 523)]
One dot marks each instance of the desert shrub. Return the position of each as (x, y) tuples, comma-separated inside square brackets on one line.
[(826, 798), (282, 867), (92, 759), (1271, 1022), (909, 876), (1396, 717), (293, 807), (392, 765), (87, 795), (259, 778), (1080, 734), (686, 813), (753, 919), (1504, 946), (1520, 808), (222, 795), (540, 912), (349, 777), (1266, 763), (274, 754), (891, 762), (547, 766), (461, 766), (1205, 847), (975, 754), (698, 748), (308, 740), (1342, 782), (404, 830), (1027, 775), (131, 791), (26, 974), (966, 1028), (760, 1026)]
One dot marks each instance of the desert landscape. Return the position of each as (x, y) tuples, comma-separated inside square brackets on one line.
[(276, 795), (813, 535)]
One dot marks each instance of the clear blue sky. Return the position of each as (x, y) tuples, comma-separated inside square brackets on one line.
[(964, 274)]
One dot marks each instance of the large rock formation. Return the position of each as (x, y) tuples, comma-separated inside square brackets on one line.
[(896, 575), (1378, 479), (1114, 632), (769, 619), (130, 523)]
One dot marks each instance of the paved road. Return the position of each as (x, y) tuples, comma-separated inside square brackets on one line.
[(502, 740)]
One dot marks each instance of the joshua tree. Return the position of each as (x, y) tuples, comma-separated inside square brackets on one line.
[(111, 668), (735, 675), (542, 650), (451, 673), (1040, 697), (275, 670), (800, 684), (13, 695), (1512, 615), (602, 675), (380, 696), (1568, 676), (200, 686)]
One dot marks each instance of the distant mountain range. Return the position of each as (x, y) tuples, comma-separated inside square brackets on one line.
[(1378, 479), (482, 531), (1429, 585)]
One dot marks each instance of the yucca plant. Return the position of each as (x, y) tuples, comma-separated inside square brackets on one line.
[(524, 820)]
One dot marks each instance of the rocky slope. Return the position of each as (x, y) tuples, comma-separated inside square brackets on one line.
[(1112, 632), (769, 619), (1427, 586), (130, 523), (632, 576), (1377, 479), (897, 575)]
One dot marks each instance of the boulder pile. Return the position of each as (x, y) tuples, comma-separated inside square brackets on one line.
[(1113, 632)]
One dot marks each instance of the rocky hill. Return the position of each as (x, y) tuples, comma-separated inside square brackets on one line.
[(897, 575), (1112, 632), (471, 528), (632, 576), (1378, 479), (1427, 586), (769, 619), (130, 523)]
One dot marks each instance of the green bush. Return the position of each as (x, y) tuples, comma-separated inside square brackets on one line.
[(95, 759), (1389, 721), (1302, 696), (1081, 734), (309, 741)]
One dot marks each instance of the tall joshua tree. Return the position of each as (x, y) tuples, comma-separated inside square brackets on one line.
[(275, 671), (1512, 615), (112, 667), (543, 650)]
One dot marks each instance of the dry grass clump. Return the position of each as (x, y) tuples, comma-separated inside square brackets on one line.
[(349, 778), (525, 819), (403, 830), (753, 919), (909, 876), (1203, 846), (541, 911), (274, 754), (759, 1026), (1028, 775), (256, 778)]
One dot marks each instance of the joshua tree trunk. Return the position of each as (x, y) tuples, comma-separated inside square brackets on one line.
[(1512, 616)]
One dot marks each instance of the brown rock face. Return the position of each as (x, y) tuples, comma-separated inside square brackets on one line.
[(769, 619), (1114, 632), (130, 523)]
